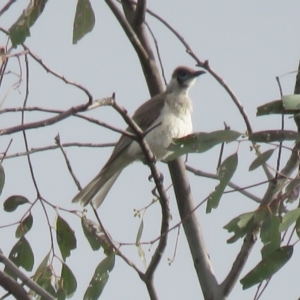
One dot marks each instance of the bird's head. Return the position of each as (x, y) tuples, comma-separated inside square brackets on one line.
[(183, 78)]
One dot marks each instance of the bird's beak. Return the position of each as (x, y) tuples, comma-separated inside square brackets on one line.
[(198, 73)]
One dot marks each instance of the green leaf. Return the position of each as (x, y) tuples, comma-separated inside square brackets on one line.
[(65, 237), (226, 171), (91, 231), (100, 278), (12, 202), (269, 234), (140, 232), (291, 102), (261, 159), (24, 226), (298, 227), (292, 189), (45, 281), (45, 277), (20, 30), (277, 107), (239, 225), (289, 218), (21, 255), (67, 281), (51, 290), (267, 267), (41, 267), (269, 136), (142, 255), (293, 184), (201, 141), (84, 20), (269, 224), (274, 107), (2, 178)]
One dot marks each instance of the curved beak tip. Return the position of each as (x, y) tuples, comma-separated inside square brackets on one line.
[(200, 72)]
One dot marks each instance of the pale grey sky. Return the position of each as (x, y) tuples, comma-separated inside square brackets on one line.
[(248, 43)]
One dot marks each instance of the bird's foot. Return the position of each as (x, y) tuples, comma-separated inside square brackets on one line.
[(160, 178)]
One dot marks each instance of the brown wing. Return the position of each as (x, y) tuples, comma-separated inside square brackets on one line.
[(144, 116)]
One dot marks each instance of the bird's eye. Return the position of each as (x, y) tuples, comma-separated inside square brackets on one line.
[(182, 75)]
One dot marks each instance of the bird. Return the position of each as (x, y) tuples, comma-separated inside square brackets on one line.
[(168, 113)]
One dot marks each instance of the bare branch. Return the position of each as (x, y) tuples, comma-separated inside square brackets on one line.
[(49, 70), (46, 122), (140, 12), (158, 54), (57, 141), (6, 6), (53, 147), (231, 184), (113, 246), (57, 111), (163, 199), (13, 287), (23, 132), (6, 150), (239, 263), (140, 43), (26, 280), (63, 78), (193, 231), (128, 30)]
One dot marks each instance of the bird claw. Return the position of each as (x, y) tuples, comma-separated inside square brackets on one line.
[(160, 178), (154, 192), (152, 161)]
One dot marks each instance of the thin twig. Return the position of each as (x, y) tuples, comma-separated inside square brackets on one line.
[(45, 122), (282, 127), (157, 53), (63, 78), (231, 184), (6, 6), (58, 111), (53, 147), (113, 246), (171, 260), (6, 150), (263, 289), (23, 131), (57, 141)]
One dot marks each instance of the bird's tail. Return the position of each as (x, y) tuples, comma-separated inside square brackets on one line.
[(98, 188)]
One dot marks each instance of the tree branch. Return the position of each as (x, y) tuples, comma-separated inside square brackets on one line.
[(13, 287), (46, 122), (181, 186), (140, 13), (26, 280), (239, 263), (231, 184), (163, 199), (6, 6), (193, 231), (141, 41)]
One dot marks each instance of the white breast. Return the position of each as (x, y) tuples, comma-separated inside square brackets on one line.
[(176, 122)]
